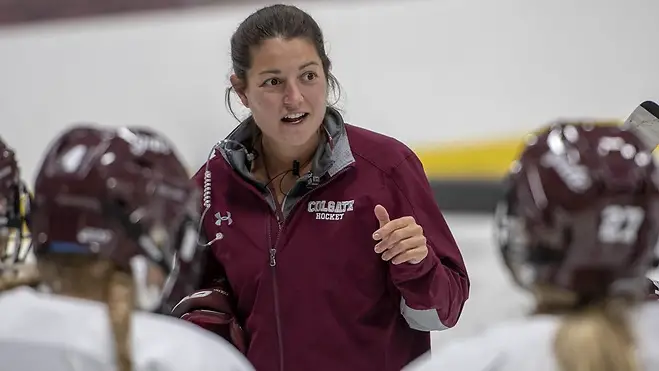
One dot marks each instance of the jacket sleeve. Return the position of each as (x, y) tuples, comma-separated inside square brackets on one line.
[(434, 291)]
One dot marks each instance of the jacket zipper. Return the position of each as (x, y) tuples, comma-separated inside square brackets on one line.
[(281, 220), (275, 288)]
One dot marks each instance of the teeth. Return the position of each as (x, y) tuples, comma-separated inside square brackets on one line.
[(294, 116)]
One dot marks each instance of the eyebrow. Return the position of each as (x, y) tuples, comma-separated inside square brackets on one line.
[(274, 72)]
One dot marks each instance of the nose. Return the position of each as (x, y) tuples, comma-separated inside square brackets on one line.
[(292, 95)]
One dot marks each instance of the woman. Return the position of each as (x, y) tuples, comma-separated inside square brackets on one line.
[(113, 222), (332, 243), (579, 226)]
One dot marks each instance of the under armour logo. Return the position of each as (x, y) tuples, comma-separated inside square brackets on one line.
[(219, 218)]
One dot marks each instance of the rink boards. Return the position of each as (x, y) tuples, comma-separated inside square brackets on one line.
[(467, 176)]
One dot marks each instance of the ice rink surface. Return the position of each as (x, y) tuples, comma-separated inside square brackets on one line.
[(493, 296)]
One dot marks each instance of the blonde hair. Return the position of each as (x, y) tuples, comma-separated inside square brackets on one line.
[(12, 277), (595, 337), (18, 274), (91, 278)]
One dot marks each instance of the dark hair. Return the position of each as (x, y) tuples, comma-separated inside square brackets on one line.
[(277, 21)]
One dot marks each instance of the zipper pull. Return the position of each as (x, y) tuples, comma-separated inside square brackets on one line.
[(280, 220), (273, 262)]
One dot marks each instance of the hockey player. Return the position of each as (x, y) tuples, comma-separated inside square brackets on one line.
[(113, 224), (14, 242), (579, 224)]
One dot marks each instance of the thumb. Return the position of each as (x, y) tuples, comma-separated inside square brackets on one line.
[(382, 215)]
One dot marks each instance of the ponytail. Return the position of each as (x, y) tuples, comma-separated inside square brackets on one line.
[(26, 275), (596, 338), (120, 301), (82, 277)]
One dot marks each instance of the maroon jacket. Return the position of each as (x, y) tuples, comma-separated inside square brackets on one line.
[(311, 291)]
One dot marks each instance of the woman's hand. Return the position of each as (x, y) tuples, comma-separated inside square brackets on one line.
[(401, 240)]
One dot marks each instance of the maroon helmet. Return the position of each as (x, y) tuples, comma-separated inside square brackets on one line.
[(14, 208), (123, 195), (581, 211)]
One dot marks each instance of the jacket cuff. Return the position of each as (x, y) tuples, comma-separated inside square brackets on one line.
[(408, 271)]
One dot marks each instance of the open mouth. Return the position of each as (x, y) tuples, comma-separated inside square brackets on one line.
[(294, 118)]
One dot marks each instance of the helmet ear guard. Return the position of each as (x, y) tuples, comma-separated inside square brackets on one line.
[(158, 257), (519, 253), (511, 239), (15, 238), (177, 257), (189, 260)]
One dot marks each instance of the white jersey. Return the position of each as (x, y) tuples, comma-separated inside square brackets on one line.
[(528, 343), (43, 332)]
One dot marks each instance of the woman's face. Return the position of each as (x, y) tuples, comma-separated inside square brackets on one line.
[(286, 90)]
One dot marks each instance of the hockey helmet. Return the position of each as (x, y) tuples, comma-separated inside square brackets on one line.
[(581, 210), (120, 194)]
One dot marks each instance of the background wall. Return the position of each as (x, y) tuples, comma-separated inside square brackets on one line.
[(458, 80)]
